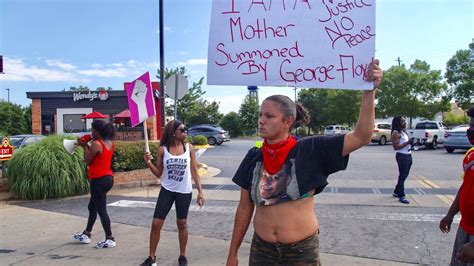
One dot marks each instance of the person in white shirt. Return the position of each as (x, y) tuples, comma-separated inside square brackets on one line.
[(401, 143), (177, 162)]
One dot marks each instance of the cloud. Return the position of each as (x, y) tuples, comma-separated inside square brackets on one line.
[(192, 62), (60, 64), (166, 28), (105, 73), (16, 70)]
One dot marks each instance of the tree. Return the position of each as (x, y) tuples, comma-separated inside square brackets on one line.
[(104, 88), (231, 123), (12, 121), (80, 88), (192, 109), (329, 106), (460, 76), (414, 92), (248, 113), (27, 113)]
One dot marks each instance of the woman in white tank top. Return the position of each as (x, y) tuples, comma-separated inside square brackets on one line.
[(402, 145), (176, 165)]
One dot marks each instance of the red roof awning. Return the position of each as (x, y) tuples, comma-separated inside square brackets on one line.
[(95, 115), (124, 114)]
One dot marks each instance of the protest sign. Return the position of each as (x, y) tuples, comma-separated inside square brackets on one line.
[(303, 43)]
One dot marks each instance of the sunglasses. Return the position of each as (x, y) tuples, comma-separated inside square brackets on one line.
[(182, 130)]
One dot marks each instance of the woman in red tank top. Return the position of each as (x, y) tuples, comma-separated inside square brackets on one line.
[(98, 157)]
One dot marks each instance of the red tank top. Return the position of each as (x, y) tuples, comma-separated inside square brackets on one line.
[(100, 165), (466, 195)]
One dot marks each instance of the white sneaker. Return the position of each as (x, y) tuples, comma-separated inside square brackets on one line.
[(83, 238), (107, 243)]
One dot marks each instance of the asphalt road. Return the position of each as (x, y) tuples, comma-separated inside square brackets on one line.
[(394, 233)]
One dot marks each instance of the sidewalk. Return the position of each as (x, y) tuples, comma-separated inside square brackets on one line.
[(30, 236)]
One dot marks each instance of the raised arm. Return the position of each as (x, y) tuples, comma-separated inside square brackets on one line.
[(243, 216), (365, 124), (157, 169)]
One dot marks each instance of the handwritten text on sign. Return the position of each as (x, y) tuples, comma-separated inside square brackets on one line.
[(305, 43)]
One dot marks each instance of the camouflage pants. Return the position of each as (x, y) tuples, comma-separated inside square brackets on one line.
[(304, 252)]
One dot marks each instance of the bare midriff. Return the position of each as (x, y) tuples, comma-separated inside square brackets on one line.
[(286, 222)]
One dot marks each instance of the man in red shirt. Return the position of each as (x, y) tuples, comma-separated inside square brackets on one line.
[(463, 251)]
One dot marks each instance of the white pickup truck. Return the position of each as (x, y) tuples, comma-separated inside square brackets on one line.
[(429, 133)]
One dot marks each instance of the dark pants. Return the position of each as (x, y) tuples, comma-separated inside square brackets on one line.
[(98, 203), (304, 252), (404, 162), (462, 238)]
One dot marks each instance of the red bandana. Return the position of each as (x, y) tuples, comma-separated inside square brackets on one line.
[(274, 155)]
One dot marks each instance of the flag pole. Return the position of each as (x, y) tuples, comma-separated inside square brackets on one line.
[(145, 133)]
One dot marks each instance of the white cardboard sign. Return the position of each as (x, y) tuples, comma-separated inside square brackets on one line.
[(302, 43)]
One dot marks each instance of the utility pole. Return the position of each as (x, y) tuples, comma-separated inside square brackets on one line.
[(399, 61), (295, 93), (8, 91), (162, 65)]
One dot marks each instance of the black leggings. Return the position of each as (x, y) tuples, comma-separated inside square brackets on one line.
[(165, 201), (98, 203)]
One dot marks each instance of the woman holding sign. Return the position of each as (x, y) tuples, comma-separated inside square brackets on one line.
[(282, 177), (177, 162)]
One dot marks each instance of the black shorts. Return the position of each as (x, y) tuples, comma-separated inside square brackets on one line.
[(165, 201)]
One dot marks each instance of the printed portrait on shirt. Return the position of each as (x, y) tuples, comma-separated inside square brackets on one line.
[(273, 187)]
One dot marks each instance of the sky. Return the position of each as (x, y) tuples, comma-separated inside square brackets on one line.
[(51, 45)]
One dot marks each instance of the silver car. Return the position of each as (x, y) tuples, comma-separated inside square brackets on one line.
[(20, 141), (457, 139), (214, 134)]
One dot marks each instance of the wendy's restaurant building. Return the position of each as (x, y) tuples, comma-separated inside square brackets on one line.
[(62, 112)]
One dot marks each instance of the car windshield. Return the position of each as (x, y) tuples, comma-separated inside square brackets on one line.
[(16, 141)]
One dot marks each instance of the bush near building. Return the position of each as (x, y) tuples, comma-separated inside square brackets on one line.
[(45, 170)]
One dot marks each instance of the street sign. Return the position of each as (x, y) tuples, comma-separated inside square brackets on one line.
[(177, 84), (6, 150)]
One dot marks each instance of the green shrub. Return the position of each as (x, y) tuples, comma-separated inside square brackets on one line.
[(199, 140), (453, 120), (189, 139), (128, 155), (45, 170)]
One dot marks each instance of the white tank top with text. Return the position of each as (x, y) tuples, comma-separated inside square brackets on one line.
[(177, 171), (404, 138)]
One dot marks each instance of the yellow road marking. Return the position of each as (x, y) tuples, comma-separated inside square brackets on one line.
[(429, 184)]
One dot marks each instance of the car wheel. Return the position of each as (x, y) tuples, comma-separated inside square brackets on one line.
[(450, 150), (211, 141), (383, 140)]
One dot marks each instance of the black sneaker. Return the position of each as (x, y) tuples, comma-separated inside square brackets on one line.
[(182, 261), (149, 262)]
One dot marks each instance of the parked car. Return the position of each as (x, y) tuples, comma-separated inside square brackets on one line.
[(20, 141), (456, 138), (214, 134), (382, 133), (335, 130), (429, 133)]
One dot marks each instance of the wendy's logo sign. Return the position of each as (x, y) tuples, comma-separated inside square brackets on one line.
[(90, 95)]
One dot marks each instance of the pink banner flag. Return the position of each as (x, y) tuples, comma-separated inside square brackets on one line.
[(140, 99)]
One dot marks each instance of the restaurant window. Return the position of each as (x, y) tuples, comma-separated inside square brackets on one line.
[(73, 123)]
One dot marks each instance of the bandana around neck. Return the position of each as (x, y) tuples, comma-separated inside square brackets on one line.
[(274, 155)]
